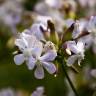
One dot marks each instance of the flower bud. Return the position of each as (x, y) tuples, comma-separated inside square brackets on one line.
[(53, 34)]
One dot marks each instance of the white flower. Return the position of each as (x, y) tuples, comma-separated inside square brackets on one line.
[(44, 61), (77, 50), (87, 40), (92, 30), (7, 92), (32, 50), (38, 92), (91, 26), (26, 44), (57, 16), (10, 12), (90, 40)]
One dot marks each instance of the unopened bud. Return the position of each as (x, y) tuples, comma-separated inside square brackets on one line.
[(53, 34), (68, 51)]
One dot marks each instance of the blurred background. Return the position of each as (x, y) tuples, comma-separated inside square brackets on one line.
[(17, 15)]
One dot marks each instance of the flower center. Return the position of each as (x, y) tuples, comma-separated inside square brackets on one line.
[(27, 52), (38, 63)]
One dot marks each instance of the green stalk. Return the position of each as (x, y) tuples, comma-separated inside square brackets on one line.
[(69, 80)]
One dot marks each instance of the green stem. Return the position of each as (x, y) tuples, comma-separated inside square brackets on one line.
[(69, 80)]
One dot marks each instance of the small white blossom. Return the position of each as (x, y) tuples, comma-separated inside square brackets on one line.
[(10, 14), (77, 50), (27, 44), (32, 50), (7, 92), (91, 26), (90, 40), (87, 40), (44, 61)]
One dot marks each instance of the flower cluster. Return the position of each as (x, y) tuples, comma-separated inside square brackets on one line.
[(36, 51), (77, 49), (57, 9), (10, 13), (40, 44)]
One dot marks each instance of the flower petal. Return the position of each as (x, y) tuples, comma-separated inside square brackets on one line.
[(71, 60), (21, 43), (37, 52), (39, 72), (72, 46), (35, 93), (35, 29), (43, 20), (69, 22), (36, 47), (78, 27), (80, 46), (38, 92), (34, 42), (19, 59), (91, 25), (87, 40), (31, 63), (49, 56), (50, 67), (76, 33)]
